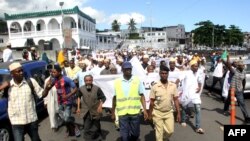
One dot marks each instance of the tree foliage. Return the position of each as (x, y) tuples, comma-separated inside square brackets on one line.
[(134, 36), (234, 36), (131, 25), (116, 25), (210, 34)]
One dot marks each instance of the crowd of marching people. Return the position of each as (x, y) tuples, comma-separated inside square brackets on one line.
[(70, 89)]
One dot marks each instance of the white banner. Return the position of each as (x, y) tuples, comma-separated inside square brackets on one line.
[(106, 83), (137, 68), (148, 81)]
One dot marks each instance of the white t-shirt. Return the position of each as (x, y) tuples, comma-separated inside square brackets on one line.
[(7, 55), (218, 71), (190, 85)]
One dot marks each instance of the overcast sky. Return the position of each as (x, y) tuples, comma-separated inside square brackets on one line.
[(159, 13)]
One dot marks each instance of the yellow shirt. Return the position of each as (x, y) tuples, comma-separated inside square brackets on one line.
[(71, 73), (61, 58)]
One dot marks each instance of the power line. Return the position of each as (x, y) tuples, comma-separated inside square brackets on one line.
[(185, 9)]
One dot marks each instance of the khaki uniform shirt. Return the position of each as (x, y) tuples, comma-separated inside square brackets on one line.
[(163, 95)]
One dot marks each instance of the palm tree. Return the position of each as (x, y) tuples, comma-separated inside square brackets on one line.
[(131, 25), (115, 25)]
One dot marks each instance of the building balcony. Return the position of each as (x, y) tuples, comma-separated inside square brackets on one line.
[(42, 33)]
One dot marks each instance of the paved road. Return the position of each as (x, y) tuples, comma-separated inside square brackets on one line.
[(212, 120)]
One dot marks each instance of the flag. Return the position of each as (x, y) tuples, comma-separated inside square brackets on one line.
[(224, 55)]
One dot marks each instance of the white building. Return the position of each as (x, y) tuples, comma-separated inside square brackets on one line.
[(44, 29), (156, 36), (108, 39), (162, 37)]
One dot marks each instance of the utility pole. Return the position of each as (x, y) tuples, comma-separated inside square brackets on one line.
[(151, 31), (141, 34), (213, 37), (62, 24)]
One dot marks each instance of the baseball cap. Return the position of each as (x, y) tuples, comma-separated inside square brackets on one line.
[(126, 65)]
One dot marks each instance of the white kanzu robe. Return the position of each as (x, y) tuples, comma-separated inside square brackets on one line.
[(52, 105)]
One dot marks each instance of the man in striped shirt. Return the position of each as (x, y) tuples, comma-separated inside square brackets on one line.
[(238, 83)]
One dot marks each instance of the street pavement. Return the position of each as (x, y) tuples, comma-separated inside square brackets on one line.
[(212, 121)]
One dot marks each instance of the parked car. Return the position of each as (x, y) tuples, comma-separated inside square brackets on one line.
[(209, 78), (34, 69)]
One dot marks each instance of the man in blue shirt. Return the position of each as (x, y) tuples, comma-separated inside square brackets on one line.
[(127, 100), (81, 74)]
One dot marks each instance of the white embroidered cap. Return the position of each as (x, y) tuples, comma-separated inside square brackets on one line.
[(14, 66)]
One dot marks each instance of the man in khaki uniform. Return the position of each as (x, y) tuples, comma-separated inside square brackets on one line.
[(161, 96)]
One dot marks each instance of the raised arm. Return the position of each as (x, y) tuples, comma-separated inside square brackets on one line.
[(229, 66), (4, 85)]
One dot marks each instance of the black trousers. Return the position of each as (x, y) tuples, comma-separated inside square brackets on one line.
[(92, 127), (215, 80)]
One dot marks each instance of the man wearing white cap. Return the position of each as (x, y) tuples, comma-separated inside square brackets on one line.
[(98, 68), (22, 112), (118, 64), (145, 60), (33, 55), (7, 53), (174, 73), (106, 69)]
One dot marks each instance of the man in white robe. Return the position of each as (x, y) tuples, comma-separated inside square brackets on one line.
[(51, 102), (192, 86)]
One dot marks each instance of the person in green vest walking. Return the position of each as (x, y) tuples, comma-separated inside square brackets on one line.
[(128, 100)]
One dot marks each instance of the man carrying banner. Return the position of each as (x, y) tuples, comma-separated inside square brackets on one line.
[(127, 100), (161, 96)]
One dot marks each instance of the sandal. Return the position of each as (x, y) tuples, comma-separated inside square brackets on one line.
[(183, 124), (200, 131)]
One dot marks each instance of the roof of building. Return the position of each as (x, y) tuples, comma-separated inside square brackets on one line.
[(74, 10)]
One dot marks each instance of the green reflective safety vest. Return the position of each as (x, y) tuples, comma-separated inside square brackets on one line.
[(130, 104)]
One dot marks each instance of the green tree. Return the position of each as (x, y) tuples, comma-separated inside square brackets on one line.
[(233, 36), (203, 34), (219, 34), (131, 25), (116, 25), (209, 34)]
